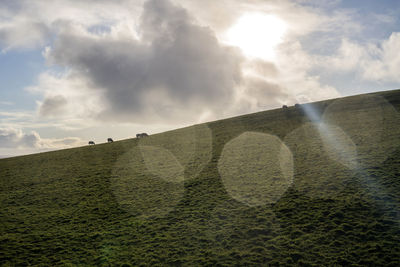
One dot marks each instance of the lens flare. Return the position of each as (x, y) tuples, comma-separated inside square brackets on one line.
[(147, 188), (316, 173), (191, 146), (256, 168), (370, 122), (162, 163)]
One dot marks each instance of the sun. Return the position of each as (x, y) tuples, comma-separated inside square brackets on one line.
[(257, 35)]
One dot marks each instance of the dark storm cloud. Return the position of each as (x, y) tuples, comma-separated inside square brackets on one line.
[(175, 67)]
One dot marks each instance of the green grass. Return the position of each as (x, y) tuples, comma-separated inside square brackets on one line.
[(163, 200)]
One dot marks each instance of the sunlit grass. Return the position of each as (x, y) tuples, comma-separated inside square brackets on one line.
[(110, 205)]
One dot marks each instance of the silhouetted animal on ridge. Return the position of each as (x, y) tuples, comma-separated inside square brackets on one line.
[(140, 135), (91, 143), (109, 140)]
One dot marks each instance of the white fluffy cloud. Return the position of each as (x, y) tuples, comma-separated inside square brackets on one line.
[(372, 61), (12, 138), (17, 139), (382, 63), (68, 95), (30, 24), (15, 34)]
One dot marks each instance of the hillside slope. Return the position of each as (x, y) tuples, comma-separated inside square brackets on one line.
[(314, 184)]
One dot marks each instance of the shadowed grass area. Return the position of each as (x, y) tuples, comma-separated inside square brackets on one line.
[(161, 200)]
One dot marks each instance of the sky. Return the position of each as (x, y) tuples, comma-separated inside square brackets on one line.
[(73, 71)]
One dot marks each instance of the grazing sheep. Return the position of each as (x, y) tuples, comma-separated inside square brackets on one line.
[(140, 135), (91, 143), (109, 140)]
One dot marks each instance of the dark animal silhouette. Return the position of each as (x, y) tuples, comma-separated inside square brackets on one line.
[(109, 140), (91, 142), (284, 106), (140, 135)]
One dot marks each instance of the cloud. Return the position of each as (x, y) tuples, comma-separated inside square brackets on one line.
[(263, 94), (170, 69), (67, 142), (12, 138), (148, 63), (174, 65), (385, 18), (6, 103), (294, 67), (67, 95), (348, 56), (30, 24), (15, 34), (372, 61), (127, 63), (53, 105), (383, 62)]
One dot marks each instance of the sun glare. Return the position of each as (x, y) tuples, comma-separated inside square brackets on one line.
[(257, 35)]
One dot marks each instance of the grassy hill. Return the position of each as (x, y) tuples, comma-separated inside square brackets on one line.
[(316, 184)]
